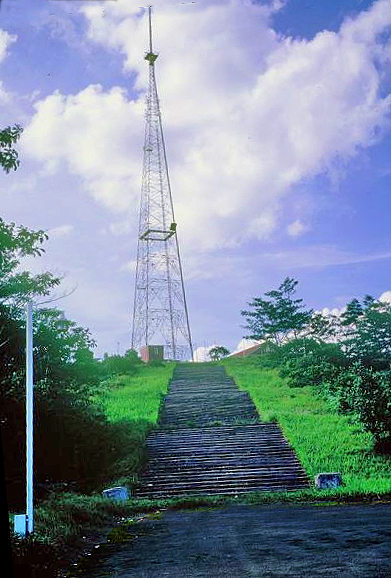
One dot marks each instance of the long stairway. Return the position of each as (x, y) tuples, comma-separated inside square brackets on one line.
[(211, 441)]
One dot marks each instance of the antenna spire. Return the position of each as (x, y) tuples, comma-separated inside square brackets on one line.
[(150, 28), (151, 56)]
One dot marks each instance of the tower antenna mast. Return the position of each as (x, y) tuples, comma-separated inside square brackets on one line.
[(160, 315), (150, 28)]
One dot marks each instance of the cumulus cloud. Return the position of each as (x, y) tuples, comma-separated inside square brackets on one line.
[(92, 131), (202, 353), (6, 40), (247, 113)]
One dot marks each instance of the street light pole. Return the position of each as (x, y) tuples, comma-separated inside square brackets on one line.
[(29, 418)]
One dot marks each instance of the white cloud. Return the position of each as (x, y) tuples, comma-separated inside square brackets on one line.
[(385, 297), (202, 353), (296, 228), (6, 40), (129, 266), (120, 228), (247, 113), (319, 256), (93, 131), (61, 231)]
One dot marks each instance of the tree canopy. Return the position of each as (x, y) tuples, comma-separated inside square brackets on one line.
[(16, 287), (279, 316), (218, 352)]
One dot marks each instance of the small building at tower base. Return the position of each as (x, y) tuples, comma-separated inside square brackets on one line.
[(152, 353)]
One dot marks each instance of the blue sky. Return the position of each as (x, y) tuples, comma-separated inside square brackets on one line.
[(277, 126)]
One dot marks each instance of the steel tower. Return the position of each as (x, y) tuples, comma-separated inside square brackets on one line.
[(160, 314)]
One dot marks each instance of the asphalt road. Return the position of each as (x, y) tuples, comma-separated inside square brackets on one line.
[(254, 541)]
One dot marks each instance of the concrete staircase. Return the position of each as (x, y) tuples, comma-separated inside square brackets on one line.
[(211, 441)]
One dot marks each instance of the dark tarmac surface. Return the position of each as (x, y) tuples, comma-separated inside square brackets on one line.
[(254, 541)]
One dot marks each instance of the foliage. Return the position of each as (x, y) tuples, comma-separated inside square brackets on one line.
[(8, 155), (118, 365), (278, 317), (321, 327), (68, 424), (367, 393), (16, 288), (347, 358), (369, 336), (217, 352), (310, 362)]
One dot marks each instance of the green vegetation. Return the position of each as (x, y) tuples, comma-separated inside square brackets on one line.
[(347, 358), (131, 405), (91, 416), (137, 397), (324, 440), (217, 352), (279, 316), (8, 155)]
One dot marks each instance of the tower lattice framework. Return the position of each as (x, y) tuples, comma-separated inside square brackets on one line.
[(160, 315)]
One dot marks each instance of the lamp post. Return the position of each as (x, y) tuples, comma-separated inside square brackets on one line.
[(25, 522)]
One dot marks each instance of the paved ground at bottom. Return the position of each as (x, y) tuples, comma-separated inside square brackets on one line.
[(255, 541)]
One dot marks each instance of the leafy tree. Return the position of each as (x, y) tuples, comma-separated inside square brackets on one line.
[(278, 317), (218, 352), (321, 327), (369, 340), (8, 155), (16, 288), (64, 362)]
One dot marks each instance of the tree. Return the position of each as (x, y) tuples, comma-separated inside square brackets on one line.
[(16, 288), (369, 338), (217, 352), (278, 317), (322, 327), (63, 355), (8, 155)]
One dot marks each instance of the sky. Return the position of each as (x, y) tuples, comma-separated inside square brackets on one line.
[(277, 124)]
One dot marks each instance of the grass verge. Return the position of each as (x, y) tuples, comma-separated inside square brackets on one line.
[(323, 440), (131, 404)]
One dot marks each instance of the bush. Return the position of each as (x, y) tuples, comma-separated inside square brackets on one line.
[(351, 386), (368, 393), (308, 362)]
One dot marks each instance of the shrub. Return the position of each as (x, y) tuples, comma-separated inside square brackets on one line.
[(308, 362), (368, 393)]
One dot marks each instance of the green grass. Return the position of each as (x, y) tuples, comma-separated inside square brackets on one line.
[(323, 440), (131, 403), (136, 397)]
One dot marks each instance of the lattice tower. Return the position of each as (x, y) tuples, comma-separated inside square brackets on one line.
[(160, 315)]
